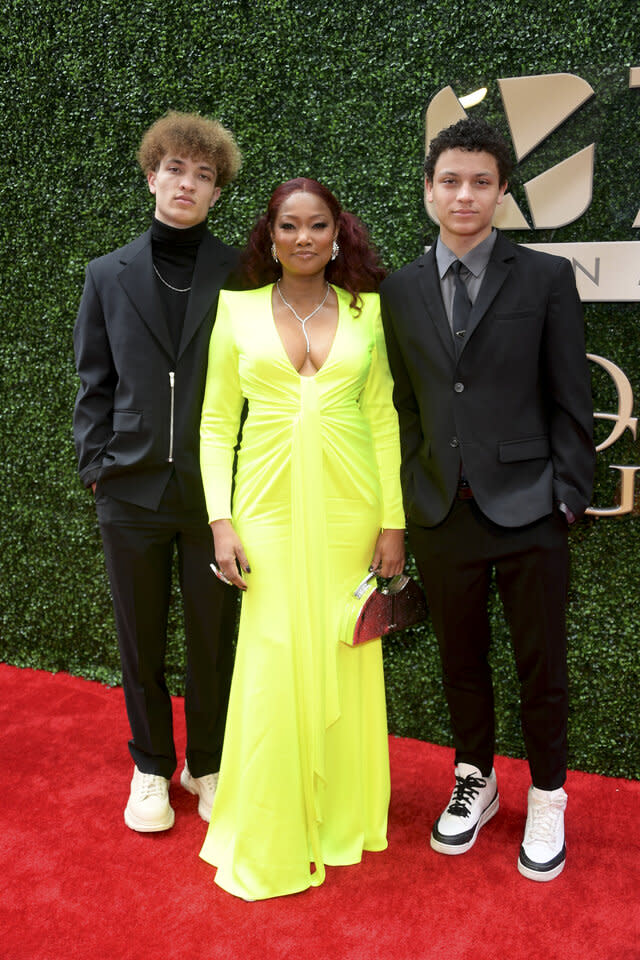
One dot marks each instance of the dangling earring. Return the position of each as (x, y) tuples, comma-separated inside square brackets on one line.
[(274, 253), (335, 251)]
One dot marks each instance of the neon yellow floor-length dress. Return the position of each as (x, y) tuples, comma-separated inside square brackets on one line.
[(304, 778)]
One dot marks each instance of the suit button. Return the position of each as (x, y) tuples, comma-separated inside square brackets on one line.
[(458, 387), (454, 442)]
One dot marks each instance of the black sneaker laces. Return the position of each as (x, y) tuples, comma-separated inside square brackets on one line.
[(464, 793)]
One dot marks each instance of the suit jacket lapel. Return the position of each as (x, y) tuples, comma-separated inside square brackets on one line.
[(139, 282), (432, 295), (496, 274), (213, 263)]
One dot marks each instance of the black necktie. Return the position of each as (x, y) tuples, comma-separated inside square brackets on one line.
[(461, 303)]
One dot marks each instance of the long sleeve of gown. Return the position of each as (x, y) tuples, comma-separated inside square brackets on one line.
[(376, 403), (221, 412)]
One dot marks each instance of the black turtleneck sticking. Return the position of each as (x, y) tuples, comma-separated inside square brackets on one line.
[(174, 256)]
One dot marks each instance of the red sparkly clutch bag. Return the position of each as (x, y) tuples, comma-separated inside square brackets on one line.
[(374, 611)]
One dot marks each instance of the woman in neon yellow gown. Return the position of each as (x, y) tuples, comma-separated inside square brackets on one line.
[(304, 778)]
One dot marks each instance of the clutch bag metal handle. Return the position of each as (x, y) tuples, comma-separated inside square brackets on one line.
[(396, 584), (361, 588)]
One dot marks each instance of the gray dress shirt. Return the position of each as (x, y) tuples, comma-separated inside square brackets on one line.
[(474, 265)]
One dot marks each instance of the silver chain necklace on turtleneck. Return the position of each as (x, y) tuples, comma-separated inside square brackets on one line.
[(303, 320), (175, 289)]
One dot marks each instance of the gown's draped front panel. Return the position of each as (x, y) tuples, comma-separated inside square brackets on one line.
[(304, 776)]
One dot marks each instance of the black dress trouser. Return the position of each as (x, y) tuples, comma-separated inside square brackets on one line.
[(139, 547), (456, 560)]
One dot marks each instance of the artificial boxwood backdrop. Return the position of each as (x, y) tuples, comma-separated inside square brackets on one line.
[(333, 90)]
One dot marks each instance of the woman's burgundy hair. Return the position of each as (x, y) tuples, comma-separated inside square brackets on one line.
[(357, 267)]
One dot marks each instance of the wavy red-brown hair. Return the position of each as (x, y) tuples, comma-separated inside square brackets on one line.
[(357, 267)]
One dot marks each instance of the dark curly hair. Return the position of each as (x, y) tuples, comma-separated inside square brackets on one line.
[(473, 135), (357, 267), (198, 137)]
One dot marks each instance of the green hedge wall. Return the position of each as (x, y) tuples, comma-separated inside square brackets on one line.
[(338, 91)]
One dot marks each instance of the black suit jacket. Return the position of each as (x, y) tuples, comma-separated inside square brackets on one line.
[(137, 412), (514, 405)]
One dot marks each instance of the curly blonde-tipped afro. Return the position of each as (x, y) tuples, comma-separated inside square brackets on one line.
[(194, 136)]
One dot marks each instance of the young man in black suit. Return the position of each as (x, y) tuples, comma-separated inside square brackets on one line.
[(492, 387), (141, 341)]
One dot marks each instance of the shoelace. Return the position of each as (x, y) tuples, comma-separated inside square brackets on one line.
[(543, 822), (464, 793), (151, 785)]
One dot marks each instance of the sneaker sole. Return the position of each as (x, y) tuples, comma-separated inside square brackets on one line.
[(453, 849), (143, 826), (542, 876)]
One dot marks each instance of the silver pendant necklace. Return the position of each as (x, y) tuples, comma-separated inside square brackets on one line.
[(175, 289), (303, 320)]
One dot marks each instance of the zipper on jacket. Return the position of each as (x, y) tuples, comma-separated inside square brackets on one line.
[(172, 383)]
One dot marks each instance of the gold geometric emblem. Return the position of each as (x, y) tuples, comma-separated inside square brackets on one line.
[(534, 108)]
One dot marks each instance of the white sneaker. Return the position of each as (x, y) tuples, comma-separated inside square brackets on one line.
[(543, 851), (204, 787), (148, 809), (474, 801)]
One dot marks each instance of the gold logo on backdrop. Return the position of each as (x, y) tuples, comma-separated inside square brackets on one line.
[(622, 420), (535, 106)]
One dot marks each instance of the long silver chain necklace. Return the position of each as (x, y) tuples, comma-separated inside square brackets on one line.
[(303, 320), (175, 289)]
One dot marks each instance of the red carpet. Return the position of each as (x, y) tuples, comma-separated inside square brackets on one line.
[(76, 883)]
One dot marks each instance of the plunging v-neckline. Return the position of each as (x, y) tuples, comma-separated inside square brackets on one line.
[(306, 376)]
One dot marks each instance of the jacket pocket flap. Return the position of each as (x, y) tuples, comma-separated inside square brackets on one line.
[(127, 421), (531, 449)]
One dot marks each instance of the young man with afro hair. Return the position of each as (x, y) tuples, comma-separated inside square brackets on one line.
[(141, 340)]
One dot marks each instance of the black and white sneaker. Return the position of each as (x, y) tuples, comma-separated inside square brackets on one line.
[(543, 852), (474, 801)]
